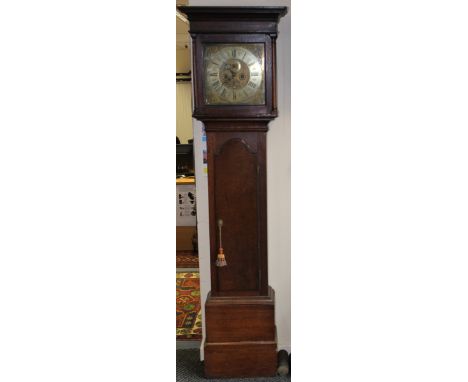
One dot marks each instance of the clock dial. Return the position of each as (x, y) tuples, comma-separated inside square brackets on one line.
[(234, 74)]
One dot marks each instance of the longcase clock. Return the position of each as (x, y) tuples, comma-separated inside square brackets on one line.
[(234, 79)]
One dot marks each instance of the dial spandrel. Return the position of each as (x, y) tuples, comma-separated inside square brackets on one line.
[(234, 74)]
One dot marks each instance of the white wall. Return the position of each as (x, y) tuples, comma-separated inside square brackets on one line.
[(184, 111), (202, 220), (279, 185)]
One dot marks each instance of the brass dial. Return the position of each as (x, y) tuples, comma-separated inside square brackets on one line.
[(234, 74)]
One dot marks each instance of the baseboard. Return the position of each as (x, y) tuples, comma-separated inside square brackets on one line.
[(189, 344)]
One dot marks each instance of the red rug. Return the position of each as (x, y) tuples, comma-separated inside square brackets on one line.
[(188, 307), (186, 259)]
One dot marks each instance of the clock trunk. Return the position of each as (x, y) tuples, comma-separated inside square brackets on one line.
[(237, 195)]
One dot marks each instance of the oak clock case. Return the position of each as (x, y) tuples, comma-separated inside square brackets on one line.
[(234, 80)]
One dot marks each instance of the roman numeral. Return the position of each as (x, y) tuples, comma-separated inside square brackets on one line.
[(252, 85), (234, 53), (213, 74), (233, 95), (216, 84), (214, 63), (223, 93), (254, 74)]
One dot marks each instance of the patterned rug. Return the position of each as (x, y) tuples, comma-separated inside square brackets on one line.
[(188, 307), (186, 259)]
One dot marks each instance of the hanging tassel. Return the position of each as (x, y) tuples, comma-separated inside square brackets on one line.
[(220, 260)]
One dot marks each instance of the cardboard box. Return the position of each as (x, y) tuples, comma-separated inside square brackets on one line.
[(184, 237)]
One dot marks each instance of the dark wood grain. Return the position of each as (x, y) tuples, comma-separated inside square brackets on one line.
[(240, 359), (237, 195), (235, 177), (238, 20), (231, 319)]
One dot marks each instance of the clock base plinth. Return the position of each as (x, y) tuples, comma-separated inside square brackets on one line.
[(240, 336), (240, 359)]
